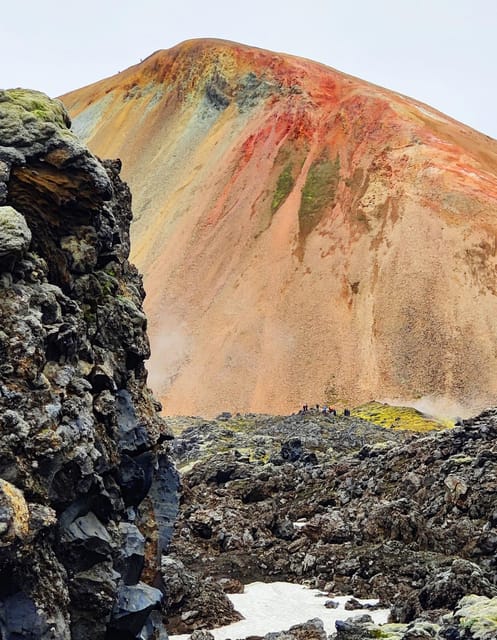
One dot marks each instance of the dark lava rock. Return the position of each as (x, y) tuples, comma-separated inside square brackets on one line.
[(406, 518), (132, 551), (356, 628), (445, 588), (310, 630), (131, 610), (19, 618), (193, 602), (88, 493)]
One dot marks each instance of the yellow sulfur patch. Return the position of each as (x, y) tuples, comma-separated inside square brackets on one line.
[(400, 418)]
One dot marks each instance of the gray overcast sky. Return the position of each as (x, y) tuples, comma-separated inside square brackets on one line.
[(442, 52)]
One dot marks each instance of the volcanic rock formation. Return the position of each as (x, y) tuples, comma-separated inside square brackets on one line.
[(304, 235), (348, 507), (88, 494)]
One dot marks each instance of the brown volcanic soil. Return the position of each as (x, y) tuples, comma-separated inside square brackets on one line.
[(304, 235)]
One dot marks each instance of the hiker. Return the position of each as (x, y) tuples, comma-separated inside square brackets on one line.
[(346, 412)]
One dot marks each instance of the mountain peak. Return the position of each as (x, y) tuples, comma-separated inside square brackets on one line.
[(304, 234)]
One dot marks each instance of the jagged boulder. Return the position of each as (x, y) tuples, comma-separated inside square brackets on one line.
[(192, 602), (444, 589), (310, 630), (88, 494), (131, 610)]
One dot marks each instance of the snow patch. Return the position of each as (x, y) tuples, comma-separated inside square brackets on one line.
[(277, 606)]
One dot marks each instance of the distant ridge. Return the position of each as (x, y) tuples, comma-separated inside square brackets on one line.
[(304, 235)]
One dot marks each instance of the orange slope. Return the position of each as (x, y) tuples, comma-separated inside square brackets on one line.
[(304, 235)]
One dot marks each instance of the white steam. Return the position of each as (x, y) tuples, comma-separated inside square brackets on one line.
[(438, 406), (170, 351)]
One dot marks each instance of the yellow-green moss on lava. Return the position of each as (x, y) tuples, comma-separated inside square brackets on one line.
[(395, 417), (35, 103), (392, 631), (319, 192), (478, 614)]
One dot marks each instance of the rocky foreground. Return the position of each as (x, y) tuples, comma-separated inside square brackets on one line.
[(346, 506)]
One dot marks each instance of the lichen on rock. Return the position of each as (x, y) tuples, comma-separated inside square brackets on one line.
[(14, 514), (82, 448), (15, 235), (477, 615)]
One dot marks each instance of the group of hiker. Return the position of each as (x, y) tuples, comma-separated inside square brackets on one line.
[(324, 409)]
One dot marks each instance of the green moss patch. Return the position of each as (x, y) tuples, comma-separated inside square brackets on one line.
[(319, 192), (390, 631), (37, 104), (400, 418), (284, 186), (286, 169)]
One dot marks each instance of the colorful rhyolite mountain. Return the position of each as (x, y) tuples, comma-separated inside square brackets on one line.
[(304, 235)]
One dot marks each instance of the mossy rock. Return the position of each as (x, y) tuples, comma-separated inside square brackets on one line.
[(478, 615), (400, 418), (36, 104), (15, 235), (392, 631)]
